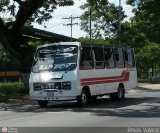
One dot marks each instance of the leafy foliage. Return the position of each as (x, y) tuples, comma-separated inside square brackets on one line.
[(132, 36), (147, 14), (10, 89), (40, 15), (143, 33), (148, 58), (36, 43), (96, 41), (104, 17), (7, 61), (24, 12)]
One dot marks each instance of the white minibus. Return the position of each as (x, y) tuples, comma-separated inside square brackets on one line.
[(77, 71)]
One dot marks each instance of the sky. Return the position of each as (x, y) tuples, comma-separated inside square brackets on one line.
[(57, 24)]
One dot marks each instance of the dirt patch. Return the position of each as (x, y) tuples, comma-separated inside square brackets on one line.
[(4, 98), (149, 86)]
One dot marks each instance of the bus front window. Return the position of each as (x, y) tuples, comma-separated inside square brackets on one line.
[(55, 58)]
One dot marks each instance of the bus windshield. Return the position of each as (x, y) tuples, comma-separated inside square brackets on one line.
[(55, 58)]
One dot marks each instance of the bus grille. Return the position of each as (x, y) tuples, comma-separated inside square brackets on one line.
[(43, 86)]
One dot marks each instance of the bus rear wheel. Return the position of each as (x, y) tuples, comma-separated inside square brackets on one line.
[(119, 95), (82, 100), (42, 103)]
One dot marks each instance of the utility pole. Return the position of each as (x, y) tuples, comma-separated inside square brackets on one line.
[(120, 17), (90, 21), (71, 24)]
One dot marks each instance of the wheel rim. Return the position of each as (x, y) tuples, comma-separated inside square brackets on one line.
[(120, 93), (84, 98)]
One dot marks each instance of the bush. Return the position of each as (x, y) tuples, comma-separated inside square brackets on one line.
[(142, 80), (152, 81), (155, 81), (11, 89)]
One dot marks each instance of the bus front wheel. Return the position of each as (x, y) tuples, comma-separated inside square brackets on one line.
[(42, 103), (82, 100)]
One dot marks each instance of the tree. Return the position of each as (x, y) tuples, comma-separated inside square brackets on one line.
[(96, 41), (22, 13), (145, 26), (147, 14), (104, 17), (8, 63), (148, 58), (132, 36)]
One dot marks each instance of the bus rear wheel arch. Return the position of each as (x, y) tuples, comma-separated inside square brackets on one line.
[(119, 95)]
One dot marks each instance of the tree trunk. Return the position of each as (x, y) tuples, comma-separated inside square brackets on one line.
[(25, 80), (26, 65)]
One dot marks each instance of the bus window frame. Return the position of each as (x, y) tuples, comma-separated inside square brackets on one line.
[(120, 61), (132, 64), (113, 58), (102, 61), (81, 67)]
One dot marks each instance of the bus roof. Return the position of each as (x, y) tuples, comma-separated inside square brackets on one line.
[(59, 43), (82, 44), (115, 46)]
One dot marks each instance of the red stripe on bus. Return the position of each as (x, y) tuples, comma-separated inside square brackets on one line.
[(101, 80)]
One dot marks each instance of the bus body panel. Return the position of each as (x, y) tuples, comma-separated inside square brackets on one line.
[(59, 94), (103, 81), (132, 82)]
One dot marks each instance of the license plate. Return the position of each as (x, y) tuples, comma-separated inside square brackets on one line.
[(50, 94)]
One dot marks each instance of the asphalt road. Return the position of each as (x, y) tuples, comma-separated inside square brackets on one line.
[(141, 108)]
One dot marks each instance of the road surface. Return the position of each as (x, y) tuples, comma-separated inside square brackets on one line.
[(141, 108)]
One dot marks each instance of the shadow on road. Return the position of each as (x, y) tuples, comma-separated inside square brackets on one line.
[(130, 107)]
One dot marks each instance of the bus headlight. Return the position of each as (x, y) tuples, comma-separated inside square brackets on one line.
[(46, 76), (66, 85)]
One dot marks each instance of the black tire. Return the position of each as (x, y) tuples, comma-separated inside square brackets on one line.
[(42, 103), (82, 100), (119, 95)]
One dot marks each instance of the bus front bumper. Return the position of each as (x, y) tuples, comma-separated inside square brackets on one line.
[(55, 96)]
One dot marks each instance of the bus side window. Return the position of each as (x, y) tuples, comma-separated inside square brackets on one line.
[(86, 58), (118, 56), (99, 57), (109, 57), (129, 58)]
